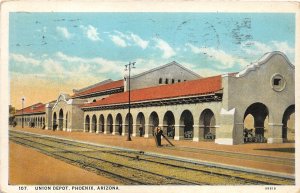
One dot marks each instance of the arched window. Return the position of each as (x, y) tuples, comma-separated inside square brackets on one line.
[(167, 81), (160, 80)]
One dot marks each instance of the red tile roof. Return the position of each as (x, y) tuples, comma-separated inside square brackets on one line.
[(33, 109), (103, 87), (188, 88)]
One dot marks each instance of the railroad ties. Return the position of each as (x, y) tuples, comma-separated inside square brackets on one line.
[(137, 167)]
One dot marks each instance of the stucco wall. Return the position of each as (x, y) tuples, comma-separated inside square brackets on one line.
[(177, 110), (151, 78), (255, 86)]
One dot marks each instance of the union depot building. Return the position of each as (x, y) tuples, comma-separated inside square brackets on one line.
[(181, 102)]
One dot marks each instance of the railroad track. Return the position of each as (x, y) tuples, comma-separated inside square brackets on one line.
[(133, 167), (260, 158)]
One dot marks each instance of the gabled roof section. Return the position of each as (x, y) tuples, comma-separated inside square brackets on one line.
[(100, 88), (164, 66), (189, 88), (264, 59), (92, 86), (33, 109)]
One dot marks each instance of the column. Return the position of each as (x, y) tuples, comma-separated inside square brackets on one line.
[(124, 129), (98, 127), (135, 131), (179, 132), (198, 132), (275, 135), (106, 128), (148, 130)]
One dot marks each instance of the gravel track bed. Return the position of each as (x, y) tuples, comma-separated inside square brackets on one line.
[(134, 164)]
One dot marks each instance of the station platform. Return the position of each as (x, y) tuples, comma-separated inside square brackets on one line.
[(255, 156)]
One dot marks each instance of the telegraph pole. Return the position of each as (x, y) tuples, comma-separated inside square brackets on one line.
[(23, 98), (128, 67)]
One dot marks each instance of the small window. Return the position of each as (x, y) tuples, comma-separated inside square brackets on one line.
[(179, 80), (173, 81), (167, 81), (160, 81), (276, 81), (94, 100), (184, 80)]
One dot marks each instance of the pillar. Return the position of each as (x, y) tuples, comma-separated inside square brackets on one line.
[(275, 135), (198, 132), (148, 130), (106, 128), (135, 131), (179, 132), (124, 129)]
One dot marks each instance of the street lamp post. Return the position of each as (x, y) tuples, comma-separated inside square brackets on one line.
[(23, 112), (128, 67)]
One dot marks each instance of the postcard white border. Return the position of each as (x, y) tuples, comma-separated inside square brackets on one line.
[(139, 6)]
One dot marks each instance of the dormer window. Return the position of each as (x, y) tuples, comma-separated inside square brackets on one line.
[(160, 80)]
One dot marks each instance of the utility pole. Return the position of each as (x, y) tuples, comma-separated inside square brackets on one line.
[(23, 98), (128, 67)]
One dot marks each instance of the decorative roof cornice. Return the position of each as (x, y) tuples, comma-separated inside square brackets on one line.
[(264, 59)]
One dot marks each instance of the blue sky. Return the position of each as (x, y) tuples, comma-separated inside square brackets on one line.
[(84, 48)]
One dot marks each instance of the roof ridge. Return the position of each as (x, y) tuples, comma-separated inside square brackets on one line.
[(93, 85), (164, 66)]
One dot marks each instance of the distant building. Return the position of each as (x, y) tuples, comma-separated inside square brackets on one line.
[(184, 104)]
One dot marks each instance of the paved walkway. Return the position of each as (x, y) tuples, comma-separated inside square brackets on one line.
[(148, 144)]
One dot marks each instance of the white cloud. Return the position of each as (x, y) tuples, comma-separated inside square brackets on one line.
[(283, 47), (91, 32), (255, 48), (258, 49), (165, 48), (102, 65), (128, 39), (227, 60), (118, 41), (139, 41), (23, 59), (64, 32), (53, 67), (207, 72)]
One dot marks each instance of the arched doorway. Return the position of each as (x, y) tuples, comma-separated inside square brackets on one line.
[(87, 123), (169, 121), (208, 122), (119, 122), (140, 124), (109, 123), (94, 123), (187, 122), (61, 119), (288, 124), (153, 121), (128, 123), (54, 121), (101, 123), (259, 112)]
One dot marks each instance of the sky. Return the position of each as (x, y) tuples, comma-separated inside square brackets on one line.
[(53, 53)]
